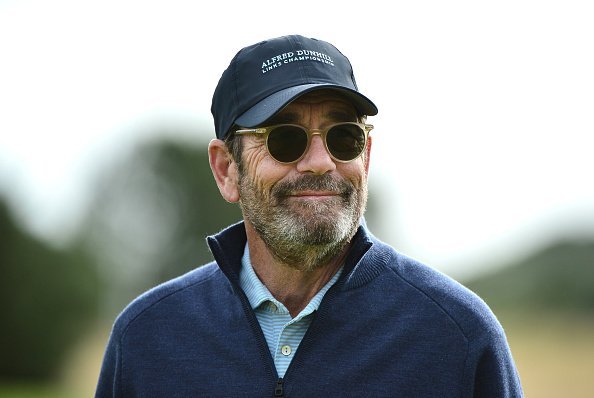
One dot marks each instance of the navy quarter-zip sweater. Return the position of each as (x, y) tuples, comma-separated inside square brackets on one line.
[(389, 327)]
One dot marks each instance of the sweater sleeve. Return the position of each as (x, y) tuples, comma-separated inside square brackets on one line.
[(495, 374), (489, 369), (107, 387)]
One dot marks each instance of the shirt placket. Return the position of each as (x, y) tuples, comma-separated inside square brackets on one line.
[(288, 338)]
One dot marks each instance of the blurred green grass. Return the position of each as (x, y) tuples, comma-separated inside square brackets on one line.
[(33, 391), (554, 353)]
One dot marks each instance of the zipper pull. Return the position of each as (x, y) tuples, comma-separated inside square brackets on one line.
[(278, 390)]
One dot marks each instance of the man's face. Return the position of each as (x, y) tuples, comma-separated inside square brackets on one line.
[(305, 212)]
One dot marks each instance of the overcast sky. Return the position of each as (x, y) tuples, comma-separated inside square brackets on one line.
[(482, 146)]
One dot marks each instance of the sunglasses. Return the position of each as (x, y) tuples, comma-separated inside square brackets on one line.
[(288, 143)]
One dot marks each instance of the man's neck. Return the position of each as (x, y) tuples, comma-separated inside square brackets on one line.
[(292, 287)]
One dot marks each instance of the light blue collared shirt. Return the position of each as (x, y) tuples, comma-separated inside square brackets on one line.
[(283, 333)]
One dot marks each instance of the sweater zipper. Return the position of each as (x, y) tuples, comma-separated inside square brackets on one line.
[(262, 344), (278, 390), (217, 251)]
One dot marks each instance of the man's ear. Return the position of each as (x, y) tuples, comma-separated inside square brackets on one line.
[(224, 170)]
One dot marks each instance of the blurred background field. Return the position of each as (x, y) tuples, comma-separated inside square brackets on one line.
[(482, 163)]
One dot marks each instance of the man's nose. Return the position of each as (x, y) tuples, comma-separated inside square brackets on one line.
[(316, 160)]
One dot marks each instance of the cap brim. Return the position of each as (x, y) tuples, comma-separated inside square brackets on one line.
[(274, 103)]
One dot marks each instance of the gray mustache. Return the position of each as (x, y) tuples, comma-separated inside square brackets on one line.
[(313, 183)]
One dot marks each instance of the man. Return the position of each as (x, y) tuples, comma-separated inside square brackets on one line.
[(301, 299)]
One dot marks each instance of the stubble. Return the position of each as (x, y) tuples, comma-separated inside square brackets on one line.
[(304, 234)]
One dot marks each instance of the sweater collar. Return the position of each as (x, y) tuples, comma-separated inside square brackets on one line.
[(228, 245)]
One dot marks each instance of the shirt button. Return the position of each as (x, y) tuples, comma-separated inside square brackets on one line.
[(286, 350)]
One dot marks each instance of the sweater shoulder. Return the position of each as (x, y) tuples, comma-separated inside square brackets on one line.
[(173, 289), (466, 309)]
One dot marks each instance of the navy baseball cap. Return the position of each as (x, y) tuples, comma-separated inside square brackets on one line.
[(263, 78)]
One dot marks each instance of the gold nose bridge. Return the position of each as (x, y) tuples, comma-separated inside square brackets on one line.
[(310, 135)]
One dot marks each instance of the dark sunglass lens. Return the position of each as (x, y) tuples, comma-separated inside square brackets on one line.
[(287, 143), (345, 141)]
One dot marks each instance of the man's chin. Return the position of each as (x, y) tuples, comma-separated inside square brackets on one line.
[(317, 222), (319, 230)]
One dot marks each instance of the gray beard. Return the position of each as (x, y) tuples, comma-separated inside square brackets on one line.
[(304, 236)]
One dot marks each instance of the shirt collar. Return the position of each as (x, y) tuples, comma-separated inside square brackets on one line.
[(251, 285)]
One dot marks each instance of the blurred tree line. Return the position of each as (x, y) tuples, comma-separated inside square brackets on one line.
[(150, 218), (559, 278), (49, 297), (147, 223)]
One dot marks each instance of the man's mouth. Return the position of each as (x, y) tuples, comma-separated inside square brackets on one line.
[(314, 193), (313, 189)]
